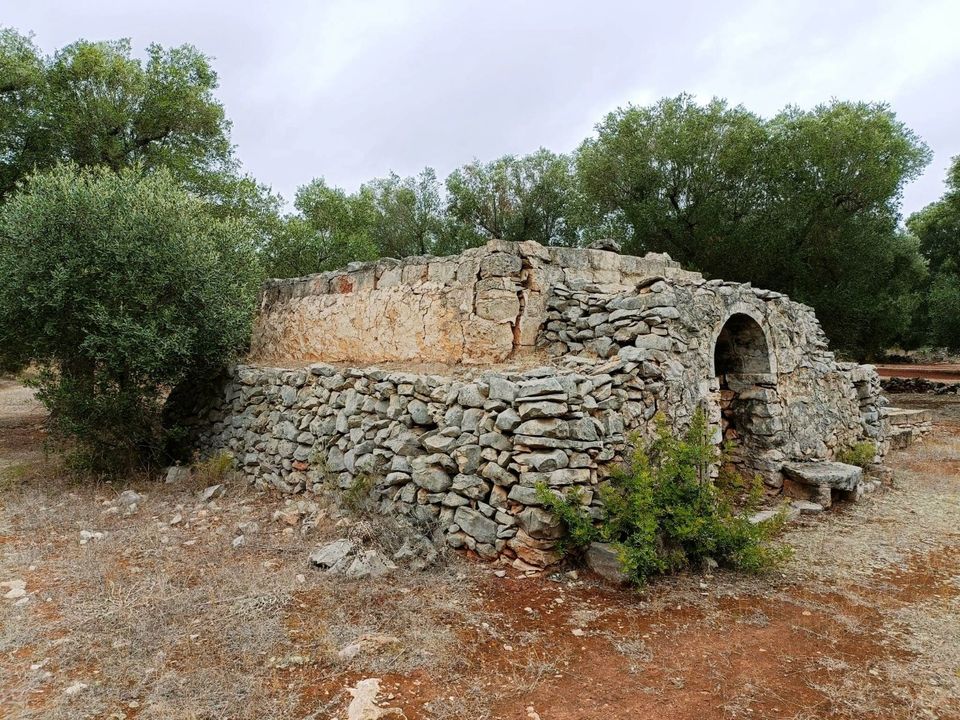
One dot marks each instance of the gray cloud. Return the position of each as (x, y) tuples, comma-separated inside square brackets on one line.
[(351, 90)]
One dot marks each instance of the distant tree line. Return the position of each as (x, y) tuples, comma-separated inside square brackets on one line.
[(109, 162)]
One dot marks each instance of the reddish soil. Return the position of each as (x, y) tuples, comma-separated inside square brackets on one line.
[(562, 647), (736, 656), (942, 372)]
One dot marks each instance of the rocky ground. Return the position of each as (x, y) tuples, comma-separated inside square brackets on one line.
[(144, 599)]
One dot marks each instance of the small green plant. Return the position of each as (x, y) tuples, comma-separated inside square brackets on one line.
[(663, 512), (569, 508), (860, 454), (356, 498), (214, 469)]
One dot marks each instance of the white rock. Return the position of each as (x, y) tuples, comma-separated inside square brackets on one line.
[(130, 498), (176, 474), (364, 704), (88, 535), (332, 554), (16, 589), (214, 491)]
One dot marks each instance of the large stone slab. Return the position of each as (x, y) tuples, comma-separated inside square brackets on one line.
[(835, 475)]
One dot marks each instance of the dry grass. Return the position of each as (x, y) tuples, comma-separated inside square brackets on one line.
[(164, 618), (163, 614)]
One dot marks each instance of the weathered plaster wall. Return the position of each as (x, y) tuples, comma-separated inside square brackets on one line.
[(478, 307)]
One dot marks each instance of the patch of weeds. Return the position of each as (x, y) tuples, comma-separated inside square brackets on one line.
[(14, 475), (215, 469), (356, 498), (860, 454), (663, 512), (318, 463)]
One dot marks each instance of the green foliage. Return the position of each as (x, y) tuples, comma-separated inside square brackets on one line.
[(568, 507), (860, 454), (121, 285), (663, 513), (95, 104), (331, 230), (407, 214), (937, 229), (937, 226), (516, 198), (944, 310), (806, 203)]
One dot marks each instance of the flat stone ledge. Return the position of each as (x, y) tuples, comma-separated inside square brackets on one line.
[(834, 475), (908, 416)]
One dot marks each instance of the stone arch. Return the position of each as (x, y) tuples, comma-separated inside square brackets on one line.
[(745, 371), (742, 340), (741, 348)]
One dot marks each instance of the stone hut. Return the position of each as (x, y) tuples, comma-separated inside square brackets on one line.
[(454, 385)]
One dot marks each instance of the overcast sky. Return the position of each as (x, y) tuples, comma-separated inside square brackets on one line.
[(351, 89)]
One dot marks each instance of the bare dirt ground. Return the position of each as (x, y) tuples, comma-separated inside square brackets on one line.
[(162, 617), (944, 372)]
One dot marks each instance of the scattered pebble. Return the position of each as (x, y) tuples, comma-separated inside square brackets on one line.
[(88, 535)]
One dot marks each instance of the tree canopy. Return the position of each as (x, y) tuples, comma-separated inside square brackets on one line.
[(93, 104), (937, 229), (120, 285), (806, 202)]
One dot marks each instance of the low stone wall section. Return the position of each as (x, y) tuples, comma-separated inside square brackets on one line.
[(466, 454)]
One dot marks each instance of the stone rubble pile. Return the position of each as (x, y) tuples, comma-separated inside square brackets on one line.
[(919, 385)]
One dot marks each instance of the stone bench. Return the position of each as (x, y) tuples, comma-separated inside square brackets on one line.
[(818, 480)]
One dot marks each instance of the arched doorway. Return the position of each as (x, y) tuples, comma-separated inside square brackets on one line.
[(741, 348), (750, 409)]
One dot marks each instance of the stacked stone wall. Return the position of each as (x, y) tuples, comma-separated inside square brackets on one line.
[(616, 341), (464, 453)]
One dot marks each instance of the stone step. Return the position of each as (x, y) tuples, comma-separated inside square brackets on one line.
[(834, 475), (909, 416), (901, 438)]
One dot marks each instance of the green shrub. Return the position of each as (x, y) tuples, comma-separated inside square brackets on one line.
[(215, 469), (356, 498), (119, 287), (571, 512), (861, 454), (663, 513)]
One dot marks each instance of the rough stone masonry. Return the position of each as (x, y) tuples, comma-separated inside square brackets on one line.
[(454, 385)]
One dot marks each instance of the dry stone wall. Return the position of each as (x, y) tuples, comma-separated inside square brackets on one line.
[(479, 307), (596, 345)]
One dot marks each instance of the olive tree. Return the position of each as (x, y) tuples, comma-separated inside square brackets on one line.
[(119, 286), (94, 103)]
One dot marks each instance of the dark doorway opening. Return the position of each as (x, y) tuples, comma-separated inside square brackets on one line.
[(749, 404)]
